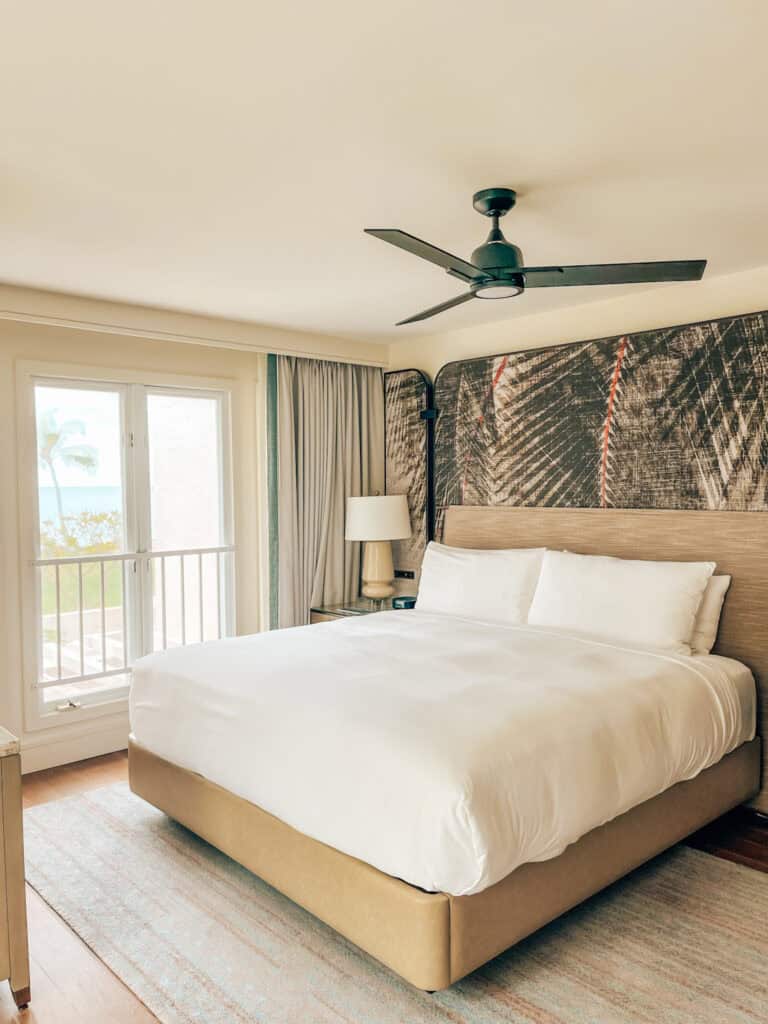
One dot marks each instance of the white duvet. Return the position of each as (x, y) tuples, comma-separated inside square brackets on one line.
[(441, 750)]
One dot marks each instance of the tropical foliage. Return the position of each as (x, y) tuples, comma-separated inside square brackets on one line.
[(663, 419), (405, 393), (94, 533), (55, 446)]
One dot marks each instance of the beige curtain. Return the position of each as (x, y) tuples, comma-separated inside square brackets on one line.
[(328, 444)]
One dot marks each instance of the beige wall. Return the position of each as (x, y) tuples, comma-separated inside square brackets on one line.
[(137, 339), (665, 306)]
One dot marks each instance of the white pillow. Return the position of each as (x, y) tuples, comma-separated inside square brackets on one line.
[(708, 615), (494, 586), (648, 604)]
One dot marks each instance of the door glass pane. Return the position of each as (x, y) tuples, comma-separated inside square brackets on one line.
[(79, 471), (81, 514), (185, 471)]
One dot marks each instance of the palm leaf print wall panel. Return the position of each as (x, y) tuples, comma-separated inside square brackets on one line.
[(673, 418), (407, 394)]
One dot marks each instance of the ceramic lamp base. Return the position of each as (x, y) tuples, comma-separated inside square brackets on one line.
[(378, 571)]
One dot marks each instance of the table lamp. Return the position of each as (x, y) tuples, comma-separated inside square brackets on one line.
[(378, 521)]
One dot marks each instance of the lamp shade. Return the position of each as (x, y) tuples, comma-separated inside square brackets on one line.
[(384, 517)]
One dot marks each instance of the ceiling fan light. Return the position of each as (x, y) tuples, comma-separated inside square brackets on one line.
[(497, 290)]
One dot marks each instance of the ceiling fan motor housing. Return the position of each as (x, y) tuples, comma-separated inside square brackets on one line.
[(497, 256), (503, 261)]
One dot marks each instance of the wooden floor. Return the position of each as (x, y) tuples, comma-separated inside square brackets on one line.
[(69, 984), (72, 986), (740, 836)]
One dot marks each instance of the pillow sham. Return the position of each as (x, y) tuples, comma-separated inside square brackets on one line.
[(708, 616), (494, 586), (648, 604)]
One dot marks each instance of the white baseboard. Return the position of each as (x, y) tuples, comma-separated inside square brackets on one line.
[(41, 751)]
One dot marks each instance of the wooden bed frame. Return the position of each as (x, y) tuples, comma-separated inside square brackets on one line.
[(434, 939)]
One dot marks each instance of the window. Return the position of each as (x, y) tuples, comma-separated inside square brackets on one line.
[(132, 533)]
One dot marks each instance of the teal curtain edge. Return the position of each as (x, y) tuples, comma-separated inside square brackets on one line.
[(272, 487)]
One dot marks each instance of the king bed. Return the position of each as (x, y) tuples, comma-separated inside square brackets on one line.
[(436, 788)]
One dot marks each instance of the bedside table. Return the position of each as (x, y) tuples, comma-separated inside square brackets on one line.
[(360, 606), (14, 954)]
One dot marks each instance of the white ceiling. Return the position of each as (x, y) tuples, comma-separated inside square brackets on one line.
[(224, 157)]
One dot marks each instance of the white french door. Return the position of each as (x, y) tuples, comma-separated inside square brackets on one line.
[(132, 534)]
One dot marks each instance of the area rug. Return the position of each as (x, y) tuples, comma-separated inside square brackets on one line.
[(198, 939)]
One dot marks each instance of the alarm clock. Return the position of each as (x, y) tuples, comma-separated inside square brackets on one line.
[(403, 602)]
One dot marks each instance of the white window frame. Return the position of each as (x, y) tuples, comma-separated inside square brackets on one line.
[(134, 386)]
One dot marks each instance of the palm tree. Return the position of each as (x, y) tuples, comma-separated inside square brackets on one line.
[(54, 446)]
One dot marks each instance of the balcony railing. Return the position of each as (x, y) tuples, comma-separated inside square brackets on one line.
[(175, 597)]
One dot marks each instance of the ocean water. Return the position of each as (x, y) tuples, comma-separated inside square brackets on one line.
[(78, 499)]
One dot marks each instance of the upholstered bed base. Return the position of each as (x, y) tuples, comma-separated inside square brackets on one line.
[(433, 939)]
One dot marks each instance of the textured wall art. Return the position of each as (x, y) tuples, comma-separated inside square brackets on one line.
[(674, 418), (407, 393)]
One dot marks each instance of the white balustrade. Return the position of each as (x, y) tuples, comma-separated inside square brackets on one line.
[(98, 642)]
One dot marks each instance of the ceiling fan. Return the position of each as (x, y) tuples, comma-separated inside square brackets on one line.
[(496, 271)]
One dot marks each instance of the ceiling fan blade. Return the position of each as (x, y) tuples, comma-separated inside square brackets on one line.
[(614, 273), (454, 264), (437, 309)]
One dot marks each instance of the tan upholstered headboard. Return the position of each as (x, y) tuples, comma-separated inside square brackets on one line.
[(737, 541)]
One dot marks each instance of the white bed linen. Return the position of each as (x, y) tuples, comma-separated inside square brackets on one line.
[(442, 750)]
